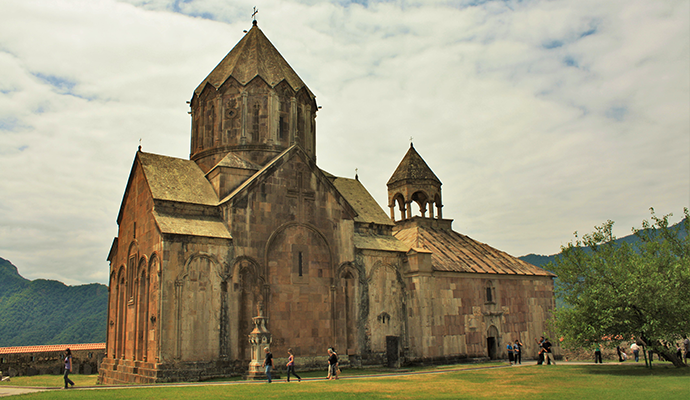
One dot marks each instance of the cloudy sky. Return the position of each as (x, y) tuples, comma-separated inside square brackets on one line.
[(541, 118)]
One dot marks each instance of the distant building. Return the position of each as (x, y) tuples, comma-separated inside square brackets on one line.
[(250, 221), (49, 359)]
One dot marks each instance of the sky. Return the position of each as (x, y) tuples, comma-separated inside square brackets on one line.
[(540, 118)]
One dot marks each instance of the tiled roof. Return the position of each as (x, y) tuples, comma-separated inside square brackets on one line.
[(254, 56), (51, 347), (412, 168), (368, 210), (454, 252), (175, 179)]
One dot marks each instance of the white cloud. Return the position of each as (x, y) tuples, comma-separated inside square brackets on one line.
[(540, 117)]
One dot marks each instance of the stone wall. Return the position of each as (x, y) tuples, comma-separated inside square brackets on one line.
[(84, 362), (450, 315)]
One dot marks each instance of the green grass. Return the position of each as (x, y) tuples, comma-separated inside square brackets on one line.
[(532, 382)]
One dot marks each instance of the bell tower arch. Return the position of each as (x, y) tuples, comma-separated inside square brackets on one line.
[(414, 184)]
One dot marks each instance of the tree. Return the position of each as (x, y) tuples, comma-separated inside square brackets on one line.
[(627, 291)]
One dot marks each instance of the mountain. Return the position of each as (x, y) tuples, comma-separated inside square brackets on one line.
[(49, 312), (542, 261)]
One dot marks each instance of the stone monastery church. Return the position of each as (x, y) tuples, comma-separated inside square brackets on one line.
[(251, 225)]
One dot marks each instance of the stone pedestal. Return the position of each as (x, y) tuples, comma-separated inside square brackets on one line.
[(259, 338)]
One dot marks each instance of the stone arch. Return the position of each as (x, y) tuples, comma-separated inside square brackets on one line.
[(489, 292), (286, 226), (198, 308), (121, 317), (492, 342), (154, 272), (387, 305), (244, 290), (300, 272), (210, 122), (421, 199), (399, 200), (348, 291), (132, 263), (141, 310)]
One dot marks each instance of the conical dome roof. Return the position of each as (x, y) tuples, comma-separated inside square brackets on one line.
[(412, 168), (254, 56)]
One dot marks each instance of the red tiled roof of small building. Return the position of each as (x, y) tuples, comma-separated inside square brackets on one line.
[(51, 347)]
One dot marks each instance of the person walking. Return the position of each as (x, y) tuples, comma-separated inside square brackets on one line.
[(597, 353), (686, 344), (540, 355), (68, 368), (291, 366), (620, 356), (510, 353), (547, 351), (268, 363), (636, 351), (517, 349), (332, 365)]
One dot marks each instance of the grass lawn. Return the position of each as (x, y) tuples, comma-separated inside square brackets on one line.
[(605, 382)]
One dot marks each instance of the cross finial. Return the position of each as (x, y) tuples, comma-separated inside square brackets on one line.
[(139, 144), (356, 175), (254, 15), (411, 142)]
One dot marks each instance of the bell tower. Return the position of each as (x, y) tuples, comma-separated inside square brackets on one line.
[(414, 182), (253, 105)]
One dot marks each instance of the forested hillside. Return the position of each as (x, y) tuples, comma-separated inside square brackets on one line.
[(541, 261), (49, 312)]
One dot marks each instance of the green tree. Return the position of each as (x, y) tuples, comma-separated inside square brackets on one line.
[(623, 291)]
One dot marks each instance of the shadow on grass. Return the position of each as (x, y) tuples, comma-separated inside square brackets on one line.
[(635, 370)]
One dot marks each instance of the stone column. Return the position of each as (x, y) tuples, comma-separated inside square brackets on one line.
[(409, 209), (431, 209)]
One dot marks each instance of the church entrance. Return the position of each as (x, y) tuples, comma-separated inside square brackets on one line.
[(492, 342), (393, 351)]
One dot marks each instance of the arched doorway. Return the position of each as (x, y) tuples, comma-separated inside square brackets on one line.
[(492, 342)]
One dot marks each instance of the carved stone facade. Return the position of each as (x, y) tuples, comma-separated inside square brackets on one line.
[(250, 221)]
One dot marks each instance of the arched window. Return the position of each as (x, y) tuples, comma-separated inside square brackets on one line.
[(489, 293)]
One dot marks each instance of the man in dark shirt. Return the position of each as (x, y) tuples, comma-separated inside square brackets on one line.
[(547, 350), (332, 365), (268, 363)]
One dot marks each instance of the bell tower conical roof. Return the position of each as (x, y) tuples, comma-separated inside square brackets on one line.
[(254, 56), (412, 168), (414, 182)]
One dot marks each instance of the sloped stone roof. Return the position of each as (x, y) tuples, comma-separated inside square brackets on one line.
[(231, 160), (175, 179), (192, 225), (379, 242), (454, 252), (254, 56), (368, 210), (412, 168)]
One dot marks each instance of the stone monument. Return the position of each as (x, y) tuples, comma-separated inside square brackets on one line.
[(259, 338)]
